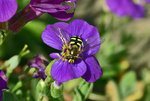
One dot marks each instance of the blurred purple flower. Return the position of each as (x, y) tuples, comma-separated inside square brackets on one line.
[(3, 83), (148, 1), (37, 7), (7, 9), (39, 62), (126, 8), (69, 67)]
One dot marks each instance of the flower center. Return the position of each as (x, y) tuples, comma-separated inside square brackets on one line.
[(72, 50)]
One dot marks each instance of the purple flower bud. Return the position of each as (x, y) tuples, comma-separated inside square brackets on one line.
[(126, 8), (56, 89), (7, 9), (37, 7), (39, 62), (57, 84), (3, 83), (78, 42)]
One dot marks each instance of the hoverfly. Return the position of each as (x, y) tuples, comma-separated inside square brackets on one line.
[(73, 46)]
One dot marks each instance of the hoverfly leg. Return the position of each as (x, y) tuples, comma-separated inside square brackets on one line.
[(91, 47)]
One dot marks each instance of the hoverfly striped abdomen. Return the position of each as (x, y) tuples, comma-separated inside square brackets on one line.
[(74, 50), (76, 41)]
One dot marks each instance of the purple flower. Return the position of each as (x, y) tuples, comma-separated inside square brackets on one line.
[(3, 83), (54, 8), (78, 42), (126, 8), (7, 9), (37, 7), (39, 62), (148, 1)]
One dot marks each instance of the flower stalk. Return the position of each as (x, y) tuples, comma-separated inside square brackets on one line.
[(20, 19)]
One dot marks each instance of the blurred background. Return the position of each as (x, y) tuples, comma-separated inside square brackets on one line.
[(124, 54)]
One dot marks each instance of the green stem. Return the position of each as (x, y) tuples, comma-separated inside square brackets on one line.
[(17, 86), (27, 70), (9, 71), (24, 51)]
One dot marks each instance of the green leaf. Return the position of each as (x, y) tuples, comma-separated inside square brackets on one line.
[(48, 68), (13, 62), (83, 91), (17, 86), (127, 84), (7, 96)]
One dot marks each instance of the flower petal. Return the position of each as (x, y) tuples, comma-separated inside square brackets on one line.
[(7, 9), (94, 70), (126, 7), (63, 71), (147, 1), (88, 33), (137, 11), (55, 8), (116, 6), (3, 76), (3, 84), (40, 75), (53, 34), (62, 15), (39, 62), (51, 8), (67, 13), (61, 25), (50, 1), (54, 55)]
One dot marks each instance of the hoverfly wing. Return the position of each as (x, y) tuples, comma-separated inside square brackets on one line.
[(91, 42), (64, 34), (61, 34)]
